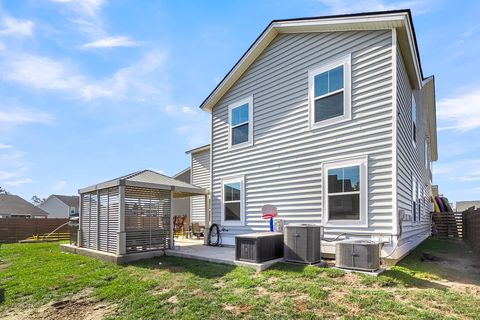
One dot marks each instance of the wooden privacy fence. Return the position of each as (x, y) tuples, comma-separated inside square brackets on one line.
[(16, 229), (472, 229), (447, 224)]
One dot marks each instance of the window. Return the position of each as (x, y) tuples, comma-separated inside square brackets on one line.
[(416, 197), (240, 116), (345, 192), (426, 154), (329, 93), (233, 212), (414, 120)]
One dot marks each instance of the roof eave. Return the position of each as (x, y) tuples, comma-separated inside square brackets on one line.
[(368, 21)]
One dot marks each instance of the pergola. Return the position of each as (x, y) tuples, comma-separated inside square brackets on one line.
[(131, 214)]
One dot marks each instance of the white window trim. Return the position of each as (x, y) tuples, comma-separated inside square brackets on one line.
[(362, 162), (232, 106), (240, 179), (347, 96), (426, 154)]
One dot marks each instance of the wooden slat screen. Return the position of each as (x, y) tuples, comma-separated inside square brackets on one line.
[(108, 220), (447, 224), (147, 219), (472, 229), (85, 220), (99, 218)]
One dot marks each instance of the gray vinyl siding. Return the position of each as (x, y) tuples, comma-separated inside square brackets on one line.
[(284, 166), (411, 158), (201, 178)]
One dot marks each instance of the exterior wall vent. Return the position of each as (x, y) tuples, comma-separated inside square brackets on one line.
[(361, 255), (302, 243)]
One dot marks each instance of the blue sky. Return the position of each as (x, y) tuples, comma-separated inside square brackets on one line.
[(92, 89)]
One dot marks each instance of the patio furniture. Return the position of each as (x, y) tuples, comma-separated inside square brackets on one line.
[(179, 225), (196, 230)]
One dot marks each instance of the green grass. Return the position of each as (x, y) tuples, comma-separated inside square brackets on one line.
[(34, 274)]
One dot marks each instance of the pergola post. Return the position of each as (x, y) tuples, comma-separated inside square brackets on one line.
[(79, 231), (122, 244), (97, 243)]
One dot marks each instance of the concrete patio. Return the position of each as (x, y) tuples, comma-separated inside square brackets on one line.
[(195, 249)]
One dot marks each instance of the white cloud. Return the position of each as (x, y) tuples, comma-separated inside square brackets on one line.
[(349, 6), (41, 72), (5, 146), (88, 8), (60, 185), (12, 173), (18, 116), (18, 182), (111, 42), (174, 110), (139, 81), (12, 26), (461, 112)]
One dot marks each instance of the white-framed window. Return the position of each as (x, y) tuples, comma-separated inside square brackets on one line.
[(330, 93), (426, 154), (240, 121), (416, 199), (414, 120), (233, 201), (345, 192)]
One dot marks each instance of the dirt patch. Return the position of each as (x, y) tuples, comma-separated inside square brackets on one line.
[(237, 310), (79, 306)]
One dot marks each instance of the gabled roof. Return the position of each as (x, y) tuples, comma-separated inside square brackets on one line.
[(199, 149), (71, 201), (401, 20), (149, 179), (12, 204)]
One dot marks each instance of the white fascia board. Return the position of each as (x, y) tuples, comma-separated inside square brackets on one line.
[(383, 22)]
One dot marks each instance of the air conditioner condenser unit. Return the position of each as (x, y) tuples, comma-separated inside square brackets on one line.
[(363, 255)]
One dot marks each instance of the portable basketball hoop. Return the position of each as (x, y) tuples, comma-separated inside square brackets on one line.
[(269, 212)]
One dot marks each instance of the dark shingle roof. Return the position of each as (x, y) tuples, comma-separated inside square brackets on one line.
[(71, 201), (11, 204)]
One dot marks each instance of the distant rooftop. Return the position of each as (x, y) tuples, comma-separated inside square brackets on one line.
[(14, 205)]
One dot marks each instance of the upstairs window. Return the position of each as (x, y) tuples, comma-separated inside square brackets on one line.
[(329, 93), (240, 122), (414, 120)]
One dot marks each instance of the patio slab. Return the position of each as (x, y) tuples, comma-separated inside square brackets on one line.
[(195, 249)]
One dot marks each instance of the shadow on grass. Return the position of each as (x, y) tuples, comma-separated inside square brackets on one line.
[(203, 269), (2, 295), (453, 262)]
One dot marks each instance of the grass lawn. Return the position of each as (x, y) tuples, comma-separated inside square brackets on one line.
[(41, 282)]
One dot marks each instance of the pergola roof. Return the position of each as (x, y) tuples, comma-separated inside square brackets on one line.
[(150, 179)]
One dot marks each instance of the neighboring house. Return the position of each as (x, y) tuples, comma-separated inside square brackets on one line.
[(464, 205), (59, 206), (200, 177), (12, 206), (181, 206), (331, 120)]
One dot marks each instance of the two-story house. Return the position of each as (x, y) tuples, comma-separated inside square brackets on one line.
[(331, 120)]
